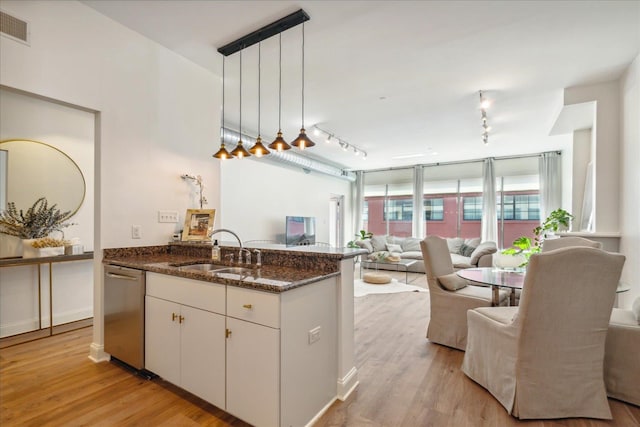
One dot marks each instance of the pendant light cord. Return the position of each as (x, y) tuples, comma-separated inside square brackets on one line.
[(259, 79), (280, 82), (240, 140), (222, 124), (303, 75)]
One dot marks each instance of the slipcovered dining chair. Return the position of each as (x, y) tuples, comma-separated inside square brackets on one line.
[(545, 360), (448, 318), (563, 242), (622, 354)]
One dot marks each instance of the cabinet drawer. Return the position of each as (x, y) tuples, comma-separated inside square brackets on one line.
[(254, 306), (194, 293)]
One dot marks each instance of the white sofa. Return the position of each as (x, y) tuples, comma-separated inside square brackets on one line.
[(465, 253)]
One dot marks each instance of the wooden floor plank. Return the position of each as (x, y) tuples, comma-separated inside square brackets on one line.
[(404, 381)]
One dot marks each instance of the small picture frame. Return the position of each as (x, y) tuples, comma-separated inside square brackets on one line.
[(198, 223)]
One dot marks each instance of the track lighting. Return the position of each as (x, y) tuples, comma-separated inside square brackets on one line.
[(341, 143), (484, 104)]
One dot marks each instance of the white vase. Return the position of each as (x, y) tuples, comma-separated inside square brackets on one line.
[(10, 246), (501, 260), (28, 251)]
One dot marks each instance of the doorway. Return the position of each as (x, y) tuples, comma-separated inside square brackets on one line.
[(336, 220)]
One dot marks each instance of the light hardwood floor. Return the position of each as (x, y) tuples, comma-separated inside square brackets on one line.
[(404, 381)]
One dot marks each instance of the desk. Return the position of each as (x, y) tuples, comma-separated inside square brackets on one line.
[(496, 278), (512, 279)]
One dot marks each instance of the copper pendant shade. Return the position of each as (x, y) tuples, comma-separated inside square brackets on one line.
[(258, 148), (240, 152), (222, 153), (302, 141), (279, 144)]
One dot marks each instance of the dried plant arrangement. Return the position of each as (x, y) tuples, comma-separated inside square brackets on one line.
[(37, 222)]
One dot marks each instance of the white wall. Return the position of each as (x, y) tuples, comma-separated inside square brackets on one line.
[(158, 111), (630, 179), (581, 155), (607, 149), (158, 118), (67, 129), (257, 196)]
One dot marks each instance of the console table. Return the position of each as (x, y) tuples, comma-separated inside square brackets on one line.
[(17, 262)]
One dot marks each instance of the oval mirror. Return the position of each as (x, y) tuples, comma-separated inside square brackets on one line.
[(33, 169)]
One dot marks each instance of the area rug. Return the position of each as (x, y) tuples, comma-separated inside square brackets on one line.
[(361, 288)]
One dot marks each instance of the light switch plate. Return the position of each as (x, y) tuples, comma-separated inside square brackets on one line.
[(168, 216)]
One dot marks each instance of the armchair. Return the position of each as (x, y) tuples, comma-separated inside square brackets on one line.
[(448, 318), (563, 242), (545, 359), (622, 354)]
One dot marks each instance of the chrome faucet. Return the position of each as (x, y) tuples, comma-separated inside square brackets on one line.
[(248, 258), (220, 230), (258, 258)]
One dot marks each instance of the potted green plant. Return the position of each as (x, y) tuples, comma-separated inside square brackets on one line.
[(557, 220), (524, 246), (362, 235), (38, 222)]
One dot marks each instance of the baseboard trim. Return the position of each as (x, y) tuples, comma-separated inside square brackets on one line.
[(97, 354), (321, 413), (347, 384)]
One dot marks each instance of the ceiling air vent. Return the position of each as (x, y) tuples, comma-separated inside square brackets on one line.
[(14, 28)]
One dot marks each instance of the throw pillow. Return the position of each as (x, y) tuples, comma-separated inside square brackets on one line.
[(379, 243), (452, 282), (454, 244), (485, 248), (466, 250), (411, 244), (365, 244), (394, 248)]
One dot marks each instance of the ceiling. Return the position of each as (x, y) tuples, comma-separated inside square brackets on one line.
[(401, 78)]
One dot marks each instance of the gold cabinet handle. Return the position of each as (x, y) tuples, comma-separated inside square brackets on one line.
[(227, 333), (173, 317), (180, 319), (248, 306)]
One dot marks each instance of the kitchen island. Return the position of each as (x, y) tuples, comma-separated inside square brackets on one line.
[(273, 347)]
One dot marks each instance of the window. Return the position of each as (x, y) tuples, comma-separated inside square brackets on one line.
[(365, 211), (434, 209), (399, 210), (520, 207), (472, 208)]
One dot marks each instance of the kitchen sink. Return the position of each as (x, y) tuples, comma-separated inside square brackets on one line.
[(202, 267), (217, 268), (242, 271)]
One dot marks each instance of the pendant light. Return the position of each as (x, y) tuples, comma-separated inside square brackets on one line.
[(279, 143), (240, 152), (258, 148), (302, 141), (222, 152)]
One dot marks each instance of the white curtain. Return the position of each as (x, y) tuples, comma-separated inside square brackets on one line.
[(418, 204), (489, 214), (358, 201), (550, 184)]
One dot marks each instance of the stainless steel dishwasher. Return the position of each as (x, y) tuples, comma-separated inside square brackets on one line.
[(124, 290)]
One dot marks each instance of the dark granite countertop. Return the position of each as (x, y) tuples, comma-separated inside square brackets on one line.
[(269, 278)]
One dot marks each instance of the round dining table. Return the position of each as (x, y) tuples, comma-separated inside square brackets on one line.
[(505, 278), (496, 278)]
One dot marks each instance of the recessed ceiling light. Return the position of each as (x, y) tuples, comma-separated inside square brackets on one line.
[(407, 156)]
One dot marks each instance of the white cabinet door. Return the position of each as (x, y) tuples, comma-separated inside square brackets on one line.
[(162, 338), (253, 373), (203, 354)]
